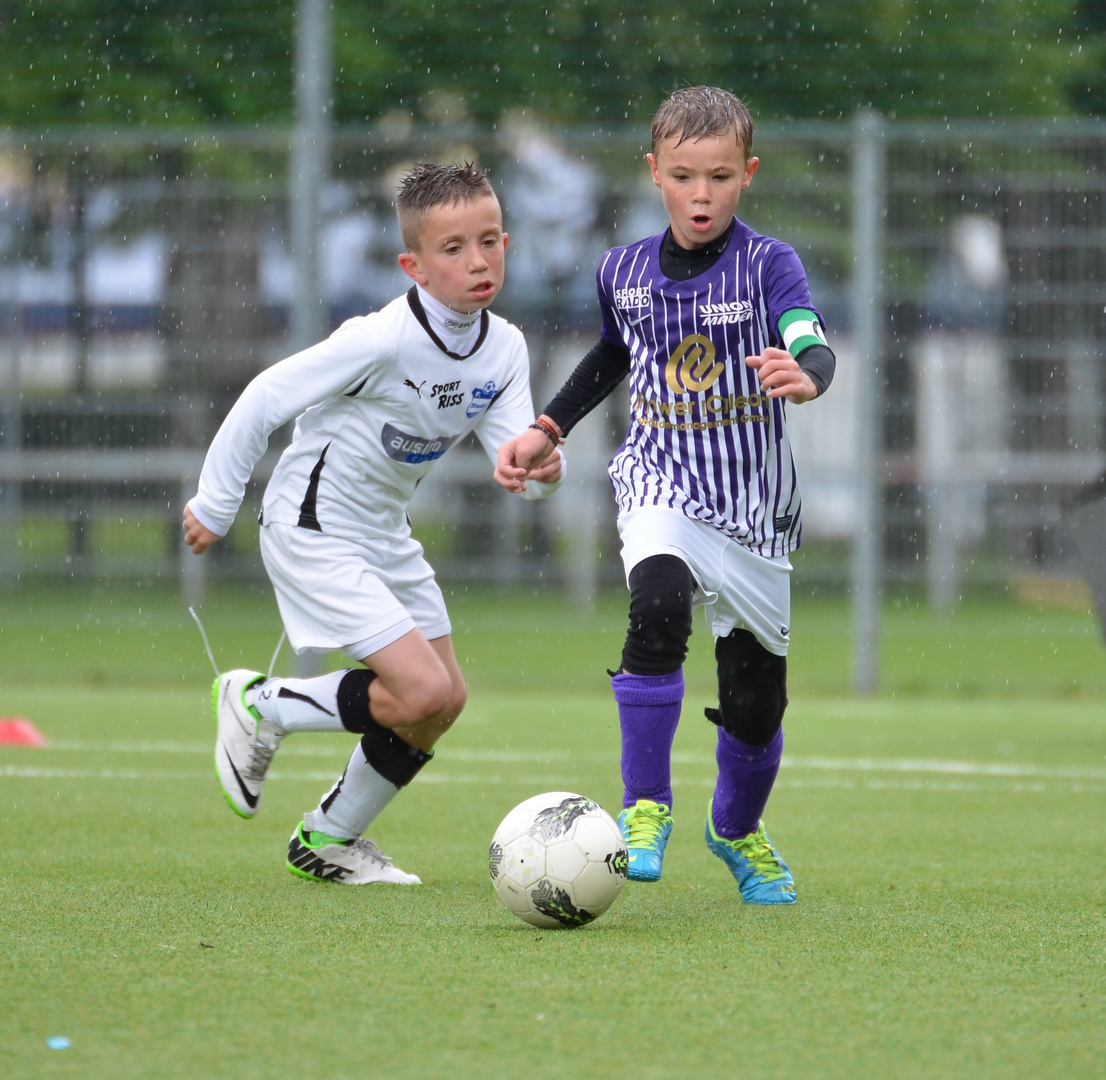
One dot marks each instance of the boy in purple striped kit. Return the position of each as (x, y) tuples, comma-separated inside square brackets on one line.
[(714, 325)]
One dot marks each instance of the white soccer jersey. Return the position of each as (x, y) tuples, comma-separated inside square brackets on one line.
[(376, 404)]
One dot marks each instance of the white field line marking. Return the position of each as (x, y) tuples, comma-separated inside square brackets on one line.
[(317, 750), (896, 765), (552, 780), (847, 781), (963, 768), (1002, 784)]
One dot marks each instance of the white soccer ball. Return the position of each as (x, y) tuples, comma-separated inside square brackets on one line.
[(558, 860)]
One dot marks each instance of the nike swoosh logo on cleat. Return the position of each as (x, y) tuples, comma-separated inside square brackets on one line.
[(251, 800)]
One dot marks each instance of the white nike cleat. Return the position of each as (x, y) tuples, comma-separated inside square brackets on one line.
[(245, 742), (318, 857)]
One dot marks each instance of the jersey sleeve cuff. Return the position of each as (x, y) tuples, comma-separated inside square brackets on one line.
[(210, 523), (537, 489)]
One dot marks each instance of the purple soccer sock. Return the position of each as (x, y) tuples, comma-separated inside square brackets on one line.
[(745, 778), (648, 712)]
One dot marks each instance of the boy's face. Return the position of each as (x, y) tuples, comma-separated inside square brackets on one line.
[(701, 182), (460, 256)]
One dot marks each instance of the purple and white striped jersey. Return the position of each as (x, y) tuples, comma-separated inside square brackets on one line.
[(702, 438)]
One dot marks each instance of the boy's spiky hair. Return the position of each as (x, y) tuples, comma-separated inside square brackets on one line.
[(695, 111), (429, 185)]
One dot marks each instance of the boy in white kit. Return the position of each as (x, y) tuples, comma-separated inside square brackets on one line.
[(375, 405)]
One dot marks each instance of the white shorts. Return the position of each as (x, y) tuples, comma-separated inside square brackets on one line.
[(738, 588), (355, 596)]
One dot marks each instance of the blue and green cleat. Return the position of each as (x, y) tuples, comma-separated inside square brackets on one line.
[(762, 876), (645, 827)]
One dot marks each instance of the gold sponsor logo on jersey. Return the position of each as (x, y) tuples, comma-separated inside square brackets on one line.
[(692, 368), (702, 414)]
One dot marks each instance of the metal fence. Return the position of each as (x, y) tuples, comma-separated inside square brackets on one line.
[(144, 279)]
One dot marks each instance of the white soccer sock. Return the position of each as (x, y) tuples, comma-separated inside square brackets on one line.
[(355, 802), (299, 704)]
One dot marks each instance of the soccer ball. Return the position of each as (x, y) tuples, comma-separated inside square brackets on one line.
[(558, 859)]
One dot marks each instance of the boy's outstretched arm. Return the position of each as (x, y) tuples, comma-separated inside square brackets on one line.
[(198, 537), (603, 367)]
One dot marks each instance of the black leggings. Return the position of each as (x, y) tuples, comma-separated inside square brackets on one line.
[(752, 682), (661, 588)]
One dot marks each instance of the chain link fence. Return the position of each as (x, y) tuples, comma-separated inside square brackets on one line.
[(145, 279)]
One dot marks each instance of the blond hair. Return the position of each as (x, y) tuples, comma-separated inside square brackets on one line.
[(695, 111)]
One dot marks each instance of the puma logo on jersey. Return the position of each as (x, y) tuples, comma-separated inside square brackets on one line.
[(417, 389)]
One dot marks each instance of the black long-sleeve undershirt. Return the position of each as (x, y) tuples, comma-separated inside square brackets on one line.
[(604, 366)]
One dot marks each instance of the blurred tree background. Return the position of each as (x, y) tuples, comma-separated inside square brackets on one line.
[(163, 64)]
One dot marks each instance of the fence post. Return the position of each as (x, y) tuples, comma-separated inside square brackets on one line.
[(579, 506), (193, 568), (310, 166), (869, 195), (586, 482), (11, 443)]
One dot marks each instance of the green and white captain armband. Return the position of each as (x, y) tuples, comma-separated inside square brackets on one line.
[(800, 329)]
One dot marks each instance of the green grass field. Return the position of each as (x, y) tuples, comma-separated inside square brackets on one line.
[(947, 838)]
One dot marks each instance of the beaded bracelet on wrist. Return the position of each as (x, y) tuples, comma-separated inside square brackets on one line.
[(548, 430)]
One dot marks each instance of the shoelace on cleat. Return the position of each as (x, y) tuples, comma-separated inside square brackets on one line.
[(759, 853), (644, 823), (370, 851), (362, 846), (261, 756)]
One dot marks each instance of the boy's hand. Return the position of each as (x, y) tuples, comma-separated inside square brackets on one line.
[(527, 455), (781, 376), (198, 537), (549, 472)]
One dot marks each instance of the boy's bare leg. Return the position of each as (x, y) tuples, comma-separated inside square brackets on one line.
[(402, 705), (419, 690), (415, 696)]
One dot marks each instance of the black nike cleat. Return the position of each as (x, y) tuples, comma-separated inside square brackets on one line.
[(318, 857)]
